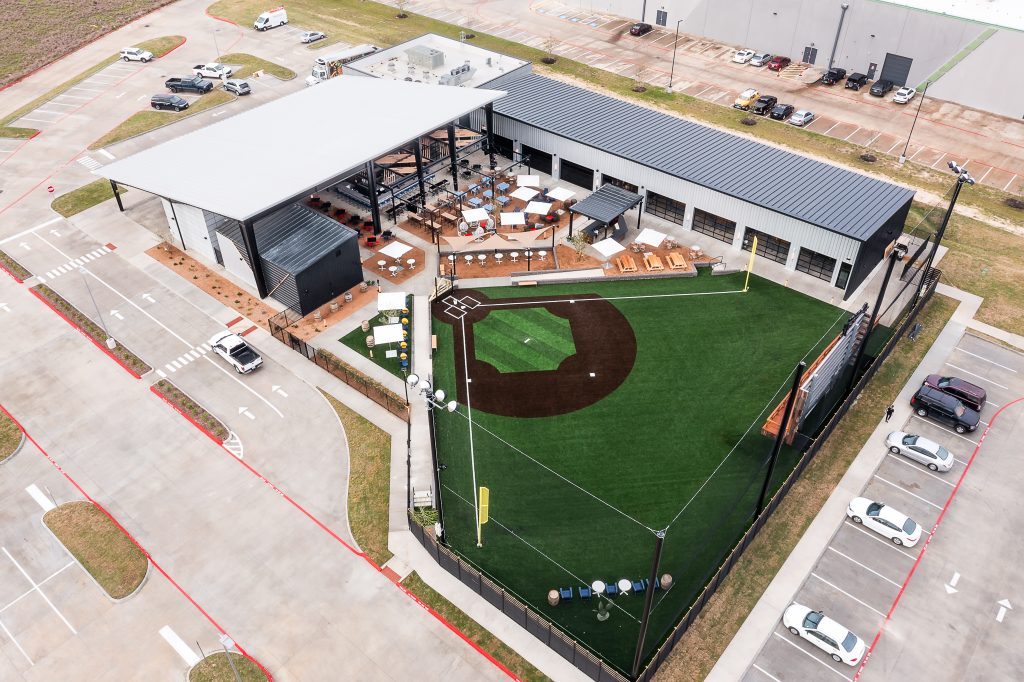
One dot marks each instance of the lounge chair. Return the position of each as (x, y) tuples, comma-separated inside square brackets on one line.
[(585, 592), (639, 586), (565, 593), (611, 589)]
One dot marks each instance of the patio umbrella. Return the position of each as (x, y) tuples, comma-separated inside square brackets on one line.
[(524, 193)]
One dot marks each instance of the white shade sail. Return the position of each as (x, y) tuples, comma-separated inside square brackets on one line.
[(513, 218), (561, 193), (474, 215), (524, 193), (395, 250), (387, 333), (540, 207), (528, 180), (650, 237), (607, 247), (391, 300)]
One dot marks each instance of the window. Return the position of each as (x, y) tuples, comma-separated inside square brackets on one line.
[(713, 226), (661, 17), (628, 186), (768, 246), (663, 207), (816, 264)]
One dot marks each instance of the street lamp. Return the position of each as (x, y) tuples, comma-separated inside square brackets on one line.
[(903, 156), (962, 177), (432, 399), (529, 255), (111, 343), (675, 46)]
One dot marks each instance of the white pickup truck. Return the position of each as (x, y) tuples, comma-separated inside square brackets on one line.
[(212, 70), (236, 351)]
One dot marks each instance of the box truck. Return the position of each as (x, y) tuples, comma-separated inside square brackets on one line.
[(329, 66), (272, 18)]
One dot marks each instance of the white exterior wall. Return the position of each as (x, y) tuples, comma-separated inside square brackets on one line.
[(194, 230), (233, 261)]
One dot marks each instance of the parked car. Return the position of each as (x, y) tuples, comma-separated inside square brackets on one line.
[(931, 402), (194, 84), (168, 102), (833, 76), (311, 36), (271, 19), (920, 449), (237, 86), (779, 63), (236, 351), (760, 59), (856, 81), (212, 70), (823, 632), (801, 118), (745, 99), (640, 28), (904, 95), (884, 520), (136, 54), (879, 88), (743, 56), (780, 112), (764, 105), (969, 394)]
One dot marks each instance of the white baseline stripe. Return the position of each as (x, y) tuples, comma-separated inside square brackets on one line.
[(178, 644)]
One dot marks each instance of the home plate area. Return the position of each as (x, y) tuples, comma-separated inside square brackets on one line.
[(458, 307)]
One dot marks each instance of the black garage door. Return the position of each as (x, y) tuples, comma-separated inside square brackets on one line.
[(576, 174), (503, 146), (538, 159), (896, 68)]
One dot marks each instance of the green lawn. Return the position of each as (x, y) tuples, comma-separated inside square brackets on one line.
[(84, 197), (356, 340), (578, 497), (148, 120), (523, 340)]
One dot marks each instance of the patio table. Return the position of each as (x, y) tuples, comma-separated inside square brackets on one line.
[(502, 186), (476, 201), (502, 200)]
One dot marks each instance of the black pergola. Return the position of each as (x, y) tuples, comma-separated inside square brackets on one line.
[(605, 205)]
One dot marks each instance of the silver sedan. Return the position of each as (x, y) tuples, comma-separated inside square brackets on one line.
[(920, 449)]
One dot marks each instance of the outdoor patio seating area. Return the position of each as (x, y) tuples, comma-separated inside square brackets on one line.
[(395, 261)]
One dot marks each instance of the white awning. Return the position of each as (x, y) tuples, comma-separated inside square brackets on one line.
[(607, 247), (539, 207), (391, 300), (524, 193), (528, 180), (650, 237), (513, 218), (395, 250), (475, 215), (561, 193)]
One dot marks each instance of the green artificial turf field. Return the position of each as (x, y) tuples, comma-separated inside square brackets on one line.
[(524, 340), (356, 340), (677, 448)]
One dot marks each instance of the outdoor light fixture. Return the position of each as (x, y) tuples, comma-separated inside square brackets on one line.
[(963, 175), (439, 396)]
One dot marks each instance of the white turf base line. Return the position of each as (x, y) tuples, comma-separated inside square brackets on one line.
[(571, 299)]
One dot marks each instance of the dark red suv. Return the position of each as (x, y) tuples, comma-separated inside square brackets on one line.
[(970, 395), (779, 63)]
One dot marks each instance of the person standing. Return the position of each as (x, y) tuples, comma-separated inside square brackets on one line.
[(888, 412)]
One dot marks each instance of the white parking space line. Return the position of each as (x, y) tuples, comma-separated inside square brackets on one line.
[(918, 469), (810, 655), (866, 568), (852, 134), (48, 579), (982, 357), (844, 592), (178, 644), (876, 538), (107, 154), (765, 673), (943, 428), (978, 375), (18, 646), (896, 485), (42, 500), (53, 103), (41, 594), (897, 144)]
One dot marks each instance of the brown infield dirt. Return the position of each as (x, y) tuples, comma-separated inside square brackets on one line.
[(605, 347)]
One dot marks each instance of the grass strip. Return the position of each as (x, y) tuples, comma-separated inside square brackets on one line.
[(249, 63), (109, 555), (86, 196), (473, 630), (158, 46), (702, 645), (10, 436), (13, 266), (216, 668), (356, 340), (369, 456), (85, 323), (147, 121), (958, 57), (197, 412)]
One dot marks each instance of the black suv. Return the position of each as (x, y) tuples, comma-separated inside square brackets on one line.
[(780, 112), (931, 402), (833, 76), (764, 104), (168, 102), (881, 87), (856, 81)]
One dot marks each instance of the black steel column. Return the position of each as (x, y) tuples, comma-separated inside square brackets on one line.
[(252, 250), (571, 216), (418, 153), (174, 215), (894, 255), (371, 186), (117, 197), (659, 541), (938, 235), (437, 470), (489, 113), (782, 435), (832, 57), (452, 154)]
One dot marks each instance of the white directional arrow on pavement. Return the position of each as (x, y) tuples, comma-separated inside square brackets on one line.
[(55, 233), (1003, 606), (117, 314), (25, 246), (3, 307), (279, 391), (246, 412), (951, 585), (149, 298)]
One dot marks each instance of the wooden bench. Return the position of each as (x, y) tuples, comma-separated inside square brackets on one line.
[(652, 262), (676, 261), (626, 264), (528, 283), (433, 342)]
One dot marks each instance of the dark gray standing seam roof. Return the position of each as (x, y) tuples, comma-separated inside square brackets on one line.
[(607, 203), (296, 237), (849, 203)]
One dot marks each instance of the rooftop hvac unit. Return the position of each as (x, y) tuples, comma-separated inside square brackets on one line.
[(425, 57), (458, 75)]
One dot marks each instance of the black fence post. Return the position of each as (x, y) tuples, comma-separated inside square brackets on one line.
[(782, 435), (659, 541)]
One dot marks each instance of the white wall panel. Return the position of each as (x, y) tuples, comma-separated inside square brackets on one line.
[(194, 230), (233, 261)]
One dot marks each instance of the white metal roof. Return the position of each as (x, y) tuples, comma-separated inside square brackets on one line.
[(244, 165)]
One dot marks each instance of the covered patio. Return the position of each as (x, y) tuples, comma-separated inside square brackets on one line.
[(605, 208)]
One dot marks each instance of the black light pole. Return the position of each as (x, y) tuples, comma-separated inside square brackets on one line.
[(962, 176), (675, 45), (782, 435), (832, 57), (897, 253), (659, 541), (408, 444), (903, 156), (529, 255)]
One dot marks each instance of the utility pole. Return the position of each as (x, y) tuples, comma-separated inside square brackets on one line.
[(903, 156), (962, 176), (675, 46)]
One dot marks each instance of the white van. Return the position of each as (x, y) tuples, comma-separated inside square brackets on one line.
[(272, 18)]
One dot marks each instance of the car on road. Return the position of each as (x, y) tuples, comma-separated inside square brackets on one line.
[(194, 84), (236, 351), (640, 28), (855, 81), (212, 70), (311, 36), (237, 86), (879, 88), (780, 112), (764, 105), (743, 56), (778, 63), (745, 99), (904, 95), (801, 118), (823, 632), (833, 76), (920, 449), (940, 406), (136, 54), (168, 102), (884, 520), (760, 59), (969, 394)]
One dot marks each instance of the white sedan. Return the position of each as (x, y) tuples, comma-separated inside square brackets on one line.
[(136, 54), (212, 70), (743, 56), (801, 118), (236, 351), (826, 634), (311, 36), (884, 520), (919, 449), (904, 95)]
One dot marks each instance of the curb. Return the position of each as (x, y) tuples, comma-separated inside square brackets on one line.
[(9, 457), (206, 432), (11, 273), (163, 125)]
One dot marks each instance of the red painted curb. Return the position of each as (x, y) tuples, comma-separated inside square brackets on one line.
[(13, 276), (35, 134), (186, 415), (928, 540), (83, 333), (167, 52), (156, 565)]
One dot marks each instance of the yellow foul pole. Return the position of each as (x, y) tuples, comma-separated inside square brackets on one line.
[(750, 264)]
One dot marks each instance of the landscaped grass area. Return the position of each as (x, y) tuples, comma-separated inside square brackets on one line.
[(524, 340), (215, 668), (578, 497), (10, 436), (248, 63), (369, 458), (146, 121), (356, 340), (86, 196), (703, 644), (109, 556), (469, 627)]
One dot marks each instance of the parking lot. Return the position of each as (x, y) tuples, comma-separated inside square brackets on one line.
[(73, 99), (861, 575)]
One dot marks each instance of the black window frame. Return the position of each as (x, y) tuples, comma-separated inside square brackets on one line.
[(714, 226), (666, 208), (813, 264), (768, 246)]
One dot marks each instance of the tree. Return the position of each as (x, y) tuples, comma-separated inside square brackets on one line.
[(549, 45), (401, 5), (579, 243), (640, 78)]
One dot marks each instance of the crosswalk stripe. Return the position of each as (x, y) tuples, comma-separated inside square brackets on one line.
[(175, 364), (169, 367)]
